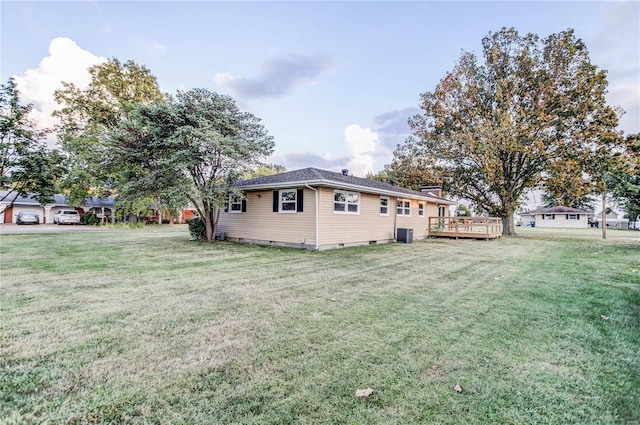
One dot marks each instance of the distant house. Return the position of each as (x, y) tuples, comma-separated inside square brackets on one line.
[(614, 221), (102, 207), (557, 217), (318, 209)]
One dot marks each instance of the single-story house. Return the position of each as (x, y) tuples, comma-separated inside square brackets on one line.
[(557, 217), (102, 207), (318, 209)]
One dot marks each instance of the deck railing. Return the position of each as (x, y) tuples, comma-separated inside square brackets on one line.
[(466, 227)]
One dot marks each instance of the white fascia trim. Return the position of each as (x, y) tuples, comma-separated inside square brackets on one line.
[(354, 187)]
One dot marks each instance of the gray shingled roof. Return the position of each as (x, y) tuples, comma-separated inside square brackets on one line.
[(21, 200), (318, 177), (58, 200), (557, 210)]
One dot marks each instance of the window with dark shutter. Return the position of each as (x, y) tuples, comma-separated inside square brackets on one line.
[(275, 200)]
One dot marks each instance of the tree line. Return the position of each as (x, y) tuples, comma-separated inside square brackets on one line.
[(121, 135), (531, 113)]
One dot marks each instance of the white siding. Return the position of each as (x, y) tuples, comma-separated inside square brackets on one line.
[(560, 221), (260, 224), (349, 229)]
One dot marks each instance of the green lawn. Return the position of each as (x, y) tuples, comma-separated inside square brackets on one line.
[(149, 327)]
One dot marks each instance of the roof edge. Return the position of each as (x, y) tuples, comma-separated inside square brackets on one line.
[(341, 185)]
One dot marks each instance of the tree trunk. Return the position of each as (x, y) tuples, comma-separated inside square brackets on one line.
[(508, 228), (210, 222), (208, 228)]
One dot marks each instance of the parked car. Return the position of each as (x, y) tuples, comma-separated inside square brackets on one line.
[(67, 217), (27, 217)]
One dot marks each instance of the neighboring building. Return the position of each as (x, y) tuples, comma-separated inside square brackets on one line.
[(318, 209), (102, 207), (557, 217), (614, 221)]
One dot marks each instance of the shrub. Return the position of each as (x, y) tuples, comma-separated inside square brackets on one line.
[(196, 228), (90, 219)]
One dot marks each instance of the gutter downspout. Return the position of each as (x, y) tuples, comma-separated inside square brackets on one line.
[(395, 218), (317, 216)]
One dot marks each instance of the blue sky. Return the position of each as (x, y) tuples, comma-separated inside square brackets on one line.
[(333, 82)]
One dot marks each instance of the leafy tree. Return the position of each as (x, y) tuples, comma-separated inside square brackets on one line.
[(89, 117), (463, 211), (411, 169), (625, 184), (568, 199), (533, 113), (264, 170), (26, 165), (191, 148), (381, 176)]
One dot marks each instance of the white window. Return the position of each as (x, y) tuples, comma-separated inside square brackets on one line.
[(288, 201), (346, 202), (421, 209), (549, 217), (235, 203), (403, 207), (572, 217), (384, 205)]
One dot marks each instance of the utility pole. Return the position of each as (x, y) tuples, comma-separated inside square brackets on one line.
[(604, 215)]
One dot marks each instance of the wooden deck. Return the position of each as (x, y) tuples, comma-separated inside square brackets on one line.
[(465, 227)]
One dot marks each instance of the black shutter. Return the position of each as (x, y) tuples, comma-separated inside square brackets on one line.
[(567, 217), (244, 205), (300, 199), (226, 204), (275, 201)]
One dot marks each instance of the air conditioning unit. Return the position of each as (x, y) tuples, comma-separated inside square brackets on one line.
[(405, 236)]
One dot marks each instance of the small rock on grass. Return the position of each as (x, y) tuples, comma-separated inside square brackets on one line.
[(364, 393)]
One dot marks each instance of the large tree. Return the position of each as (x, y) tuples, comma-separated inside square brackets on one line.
[(26, 165), (625, 183), (532, 113), (192, 148), (568, 199), (412, 170), (264, 170), (89, 117)]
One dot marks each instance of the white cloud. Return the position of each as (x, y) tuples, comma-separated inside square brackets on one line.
[(66, 62), (362, 144), (279, 76), (153, 49)]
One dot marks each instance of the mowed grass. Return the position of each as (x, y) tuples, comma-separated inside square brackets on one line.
[(151, 328)]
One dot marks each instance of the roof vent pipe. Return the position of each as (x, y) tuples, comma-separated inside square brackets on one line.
[(345, 172)]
